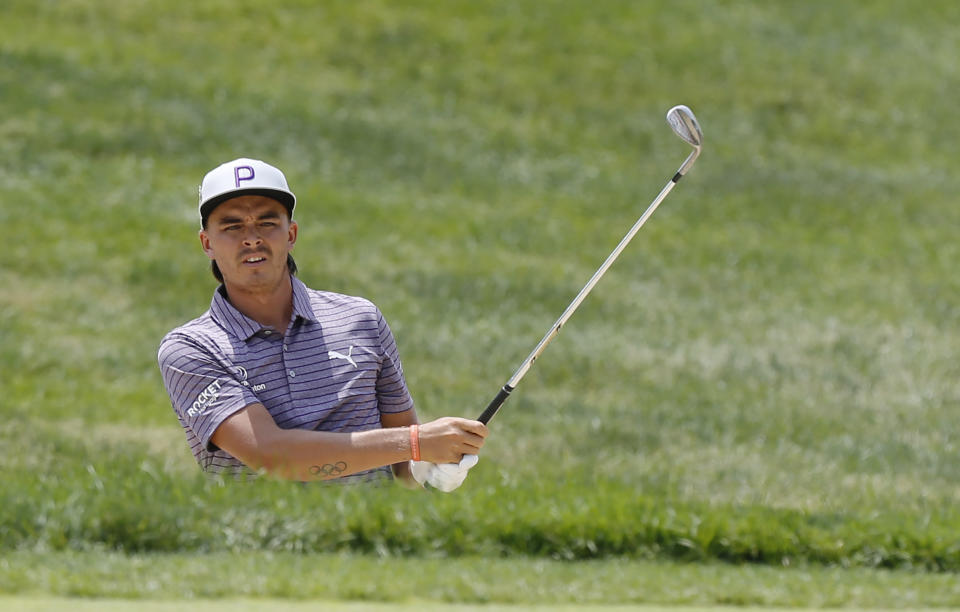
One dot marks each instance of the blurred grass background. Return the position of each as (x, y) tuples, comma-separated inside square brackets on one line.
[(768, 374)]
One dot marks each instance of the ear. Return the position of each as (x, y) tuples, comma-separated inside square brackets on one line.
[(292, 234), (205, 244)]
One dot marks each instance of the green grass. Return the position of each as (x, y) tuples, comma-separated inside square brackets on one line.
[(50, 604), (767, 376), (519, 581)]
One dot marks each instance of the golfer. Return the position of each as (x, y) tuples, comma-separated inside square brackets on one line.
[(281, 379)]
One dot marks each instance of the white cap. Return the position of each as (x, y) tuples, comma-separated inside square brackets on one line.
[(242, 177)]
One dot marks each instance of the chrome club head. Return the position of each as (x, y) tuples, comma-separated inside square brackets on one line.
[(683, 122)]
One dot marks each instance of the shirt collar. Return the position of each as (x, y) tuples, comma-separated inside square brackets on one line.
[(242, 326), (301, 301)]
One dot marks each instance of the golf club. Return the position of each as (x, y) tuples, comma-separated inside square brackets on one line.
[(685, 125)]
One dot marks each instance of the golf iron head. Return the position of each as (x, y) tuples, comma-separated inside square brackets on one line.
[(685, 125)]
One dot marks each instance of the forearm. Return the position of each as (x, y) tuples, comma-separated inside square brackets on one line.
[(298, 454), (253, 437)]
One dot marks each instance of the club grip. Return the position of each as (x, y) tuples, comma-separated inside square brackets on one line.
[(495, 404)]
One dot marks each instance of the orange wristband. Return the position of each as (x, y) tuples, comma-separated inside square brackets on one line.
[(415, 442)]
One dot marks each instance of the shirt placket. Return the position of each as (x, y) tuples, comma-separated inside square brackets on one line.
[(288, 366)]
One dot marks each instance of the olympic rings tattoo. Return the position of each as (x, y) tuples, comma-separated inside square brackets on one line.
[(329, 469)]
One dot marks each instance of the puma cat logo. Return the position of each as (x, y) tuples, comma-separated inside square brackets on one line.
[(348, 357)]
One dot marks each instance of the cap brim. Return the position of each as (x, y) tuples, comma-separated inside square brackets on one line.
[(287, 199)]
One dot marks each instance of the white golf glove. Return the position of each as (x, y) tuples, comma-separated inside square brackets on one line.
[(443, 476)]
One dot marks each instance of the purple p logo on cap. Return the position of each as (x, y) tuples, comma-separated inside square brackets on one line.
[(249, 176)]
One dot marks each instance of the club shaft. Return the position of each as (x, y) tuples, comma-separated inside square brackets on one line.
[(511, 384)]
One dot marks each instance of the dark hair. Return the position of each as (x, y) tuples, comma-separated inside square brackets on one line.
[(291, 265)]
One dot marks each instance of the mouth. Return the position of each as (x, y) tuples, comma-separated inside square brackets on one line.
[(254, 260)]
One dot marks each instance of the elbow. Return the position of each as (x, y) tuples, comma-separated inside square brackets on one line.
[(253, 438), (265, 454), (273, 458)]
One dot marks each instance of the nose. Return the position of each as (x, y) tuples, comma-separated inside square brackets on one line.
[(251, 236)]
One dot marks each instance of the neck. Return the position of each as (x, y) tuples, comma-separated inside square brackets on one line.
[(268, 306)]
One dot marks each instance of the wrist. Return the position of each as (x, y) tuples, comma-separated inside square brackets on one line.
[(415, 442)]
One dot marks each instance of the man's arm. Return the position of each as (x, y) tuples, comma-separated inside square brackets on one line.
[(252, 436)]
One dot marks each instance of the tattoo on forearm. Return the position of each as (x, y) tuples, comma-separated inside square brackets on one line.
[(328, 469)]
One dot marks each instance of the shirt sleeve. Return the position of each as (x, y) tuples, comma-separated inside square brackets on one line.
[(203, 390), (392, 393)]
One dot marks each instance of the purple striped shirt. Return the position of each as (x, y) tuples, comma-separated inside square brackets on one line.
[(336, 369)]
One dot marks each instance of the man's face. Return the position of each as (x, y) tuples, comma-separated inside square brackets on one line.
[(250, 237)]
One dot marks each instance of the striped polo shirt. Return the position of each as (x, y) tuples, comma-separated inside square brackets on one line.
[(336, 369)]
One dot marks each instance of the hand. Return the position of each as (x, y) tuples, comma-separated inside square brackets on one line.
[(448, 439), (420, 470), (449, 476), (443, 476)]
